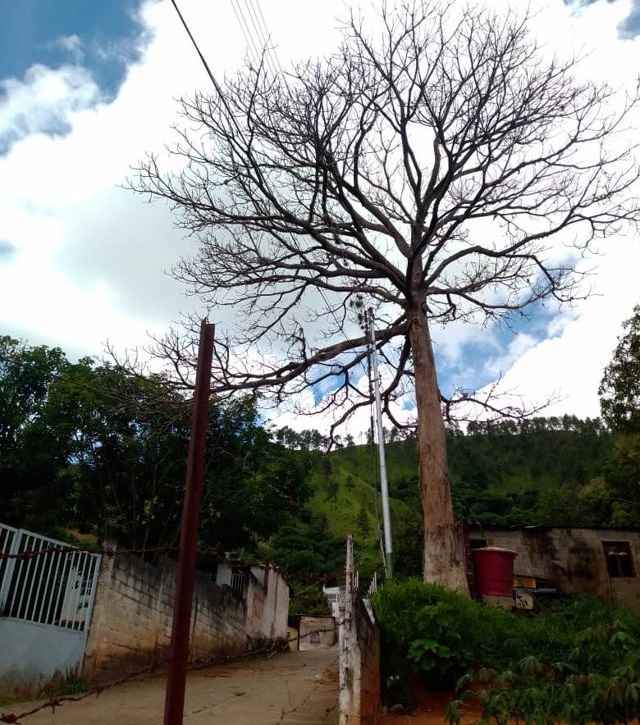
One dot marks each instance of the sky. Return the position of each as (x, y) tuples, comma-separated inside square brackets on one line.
[(87, 88)]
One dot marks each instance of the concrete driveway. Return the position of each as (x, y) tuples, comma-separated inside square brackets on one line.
[(292, 687)]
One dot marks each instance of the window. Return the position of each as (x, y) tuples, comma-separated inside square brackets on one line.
[(477, 543), (618, 558)]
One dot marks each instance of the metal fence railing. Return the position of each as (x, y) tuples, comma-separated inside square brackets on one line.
[(44, 581)]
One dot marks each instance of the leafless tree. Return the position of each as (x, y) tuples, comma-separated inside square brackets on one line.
[(440, 166)]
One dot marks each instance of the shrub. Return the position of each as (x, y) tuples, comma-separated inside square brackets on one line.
[(576, 663), (432, 634)]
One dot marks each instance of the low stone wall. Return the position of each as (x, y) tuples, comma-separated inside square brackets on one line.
[(133, 614)]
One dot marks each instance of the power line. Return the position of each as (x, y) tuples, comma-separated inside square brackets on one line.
[(260, 25), (206, 67), (258, 21), (252, 46), (254, 12), (255, 34)]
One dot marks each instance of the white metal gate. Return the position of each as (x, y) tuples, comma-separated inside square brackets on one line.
[(46, 598)]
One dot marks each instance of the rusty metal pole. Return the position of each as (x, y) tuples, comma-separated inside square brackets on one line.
[(186, 568)]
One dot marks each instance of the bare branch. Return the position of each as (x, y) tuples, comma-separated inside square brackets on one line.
[(441, 166)]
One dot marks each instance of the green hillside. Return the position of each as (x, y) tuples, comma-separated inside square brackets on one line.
[(541, 471), (345, 489)]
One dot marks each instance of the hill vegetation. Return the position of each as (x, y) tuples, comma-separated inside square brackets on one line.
[(86, 447), (505, 473)]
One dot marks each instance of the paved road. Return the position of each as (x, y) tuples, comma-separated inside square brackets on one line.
[(292, 687)]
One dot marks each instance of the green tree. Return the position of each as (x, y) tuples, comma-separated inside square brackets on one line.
[(363, 521), (332, 488), (620, 405), (31, 458), (131, 454), (622, 476), (310, 555), (620, 385), (326, 466), (130, 437), (252, 483), (92, 446), (303, 547)]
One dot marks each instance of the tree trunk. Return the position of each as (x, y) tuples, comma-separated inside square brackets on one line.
[(443, 557)]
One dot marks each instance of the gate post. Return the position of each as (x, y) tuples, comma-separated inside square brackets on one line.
[(7, 576)]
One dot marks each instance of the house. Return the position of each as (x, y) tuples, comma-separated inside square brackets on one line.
[(598, 562)]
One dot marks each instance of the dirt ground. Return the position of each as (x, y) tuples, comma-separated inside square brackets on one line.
[(414, 718), (424, 717), (429, 711)]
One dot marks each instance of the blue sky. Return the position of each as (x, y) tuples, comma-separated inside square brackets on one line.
[(88, 86), (483, 358), (629, 26), (100, 34)]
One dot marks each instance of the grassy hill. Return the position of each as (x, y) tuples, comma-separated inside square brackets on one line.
[(346, 491), (543, 471)]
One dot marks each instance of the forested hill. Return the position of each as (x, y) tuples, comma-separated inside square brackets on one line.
[(525, 472), (548, 471), (508, 472)]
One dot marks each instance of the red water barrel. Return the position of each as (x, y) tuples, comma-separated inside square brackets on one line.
[(493, 568)]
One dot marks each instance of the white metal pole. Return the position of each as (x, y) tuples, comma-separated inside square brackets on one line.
[(384, 489)]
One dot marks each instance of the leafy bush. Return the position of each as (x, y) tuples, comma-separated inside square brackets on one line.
[(576, 663), (433, 634), (573, 692)]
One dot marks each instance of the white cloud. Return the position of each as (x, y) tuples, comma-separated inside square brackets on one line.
[(89, 244), (91, 257), (70, 44), (568, 367), (44, 102)]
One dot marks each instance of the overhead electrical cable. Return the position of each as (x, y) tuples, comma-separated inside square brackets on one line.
[(257, 18), (253, 46), (256, 35), (216, 85)]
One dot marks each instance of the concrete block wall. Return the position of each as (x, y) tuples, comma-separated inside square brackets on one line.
[(267, 597), (317, 632), (275, 611), (572, 558), (369, 644), (256, 594), (133, 614), (359, 663), (359, 670)]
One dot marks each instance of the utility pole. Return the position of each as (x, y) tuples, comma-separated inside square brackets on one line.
[(186, 568), (384, 488)]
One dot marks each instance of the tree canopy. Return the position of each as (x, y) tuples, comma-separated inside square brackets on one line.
[(620, 386), (89, 446), (620, 405), (29, 455)]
